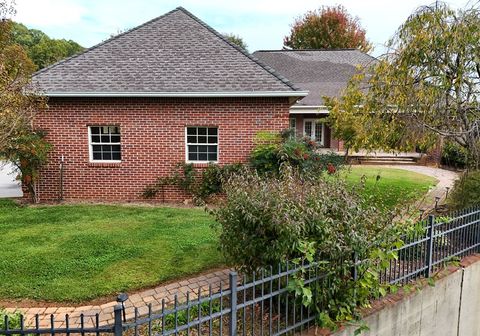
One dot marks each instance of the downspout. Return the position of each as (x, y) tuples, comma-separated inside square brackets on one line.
[(60, 196)]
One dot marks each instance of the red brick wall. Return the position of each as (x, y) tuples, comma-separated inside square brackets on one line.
[(153, 140)]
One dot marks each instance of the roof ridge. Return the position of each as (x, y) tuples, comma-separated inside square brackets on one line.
[(105, 42), (241, 50), (318, 49)]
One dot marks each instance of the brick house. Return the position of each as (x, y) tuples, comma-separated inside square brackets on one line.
[(323, 72), (130, 109)]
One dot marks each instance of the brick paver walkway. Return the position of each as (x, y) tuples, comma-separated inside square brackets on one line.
[(139, 300)]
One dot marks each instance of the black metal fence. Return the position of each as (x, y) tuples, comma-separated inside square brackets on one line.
[(264, 304)]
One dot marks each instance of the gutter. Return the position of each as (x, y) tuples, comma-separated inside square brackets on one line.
[(181, 94)]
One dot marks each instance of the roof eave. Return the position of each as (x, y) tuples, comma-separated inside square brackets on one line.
[(181, 94)]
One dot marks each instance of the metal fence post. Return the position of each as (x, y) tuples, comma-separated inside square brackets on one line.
[(429, 255), (233, 304), (118, 326)]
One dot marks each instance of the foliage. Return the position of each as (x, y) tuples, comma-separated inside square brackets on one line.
[(28, 153), (73, 253), (20, 143), (454, 155), (269, 219), (427, 85), (274, 150), (237, 40), (14, 320), (466, 191), (282, 211), (201, 184), (40, 48), (327, 28)]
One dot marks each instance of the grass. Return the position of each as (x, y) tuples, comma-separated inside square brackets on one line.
[(73, 253), (79, 252), (393, 187)]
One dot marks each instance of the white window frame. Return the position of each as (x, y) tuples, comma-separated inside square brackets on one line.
[(314, 122), (197, 144), (90, 145)]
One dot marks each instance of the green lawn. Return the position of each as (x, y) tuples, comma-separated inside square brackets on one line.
[(395, 186), (73, 253), (80, 252)]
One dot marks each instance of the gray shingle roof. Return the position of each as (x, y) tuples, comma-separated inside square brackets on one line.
[(322, 72), (174, 53)]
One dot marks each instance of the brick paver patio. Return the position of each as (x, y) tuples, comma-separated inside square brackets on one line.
[(140, 300)]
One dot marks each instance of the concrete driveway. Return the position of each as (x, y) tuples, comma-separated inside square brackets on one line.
[(8, 186)]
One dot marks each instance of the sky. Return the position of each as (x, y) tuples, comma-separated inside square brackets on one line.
[(261, 23)]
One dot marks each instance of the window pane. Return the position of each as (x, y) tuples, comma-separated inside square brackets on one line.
[(212, 139), (202, 139), (192, 156), (212, 131), (191, 139), (202, 149), (115, 138), (212, 149), (115, 148), (95, 130), (192, 149), (97, 156), (318, 132), (308, 128), (116, 156), (191, 130), (96, 148), (95, 138), (202, 157), (202, 131), (107, 156), (212, 157), (106, 148)]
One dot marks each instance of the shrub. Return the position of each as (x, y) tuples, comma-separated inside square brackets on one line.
[(265, 219), (199, 184), (466, 191), (273, 151), (454, 156)]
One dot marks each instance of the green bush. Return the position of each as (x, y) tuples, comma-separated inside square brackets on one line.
[(201, 184), (271, 152), (265, 218), (454, 156), (466, 192)]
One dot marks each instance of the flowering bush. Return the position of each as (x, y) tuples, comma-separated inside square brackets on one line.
[(302, 154)]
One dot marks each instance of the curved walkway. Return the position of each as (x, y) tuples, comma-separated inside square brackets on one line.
[(201, 284)]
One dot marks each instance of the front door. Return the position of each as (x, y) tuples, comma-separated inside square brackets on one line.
[(314, 129)]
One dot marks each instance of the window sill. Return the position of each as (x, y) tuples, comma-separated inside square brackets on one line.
[(105, 164), (203, 164)]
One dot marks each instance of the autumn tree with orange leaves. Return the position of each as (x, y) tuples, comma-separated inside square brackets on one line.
[(327, 28), (20, 143)]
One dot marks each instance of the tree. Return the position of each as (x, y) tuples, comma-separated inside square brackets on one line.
[(327, 28), (20, 142), (235, 39), (427, 85), (42, 49)]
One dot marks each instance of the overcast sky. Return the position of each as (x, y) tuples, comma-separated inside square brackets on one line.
[(261, 23)]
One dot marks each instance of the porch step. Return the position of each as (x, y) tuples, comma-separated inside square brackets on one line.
[(386, 160)]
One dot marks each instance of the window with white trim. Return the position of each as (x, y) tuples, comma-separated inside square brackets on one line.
[(293, 126), (314, 129), (104, 143), (202, 144)]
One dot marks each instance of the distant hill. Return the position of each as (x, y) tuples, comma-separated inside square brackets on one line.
[(42, 49)]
